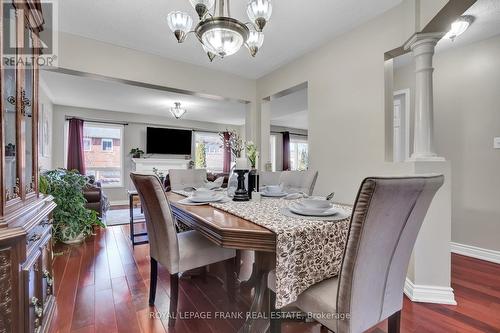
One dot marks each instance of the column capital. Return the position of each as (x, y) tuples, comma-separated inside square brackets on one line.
[(423, 38)]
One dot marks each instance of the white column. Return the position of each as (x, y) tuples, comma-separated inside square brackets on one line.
[(422, 47)]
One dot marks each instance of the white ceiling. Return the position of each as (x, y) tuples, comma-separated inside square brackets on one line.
[(296, 26), (103, 95), (291, 110), (486, 25)]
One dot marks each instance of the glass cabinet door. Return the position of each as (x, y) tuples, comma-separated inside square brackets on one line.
[(28, 114), (11, 177)]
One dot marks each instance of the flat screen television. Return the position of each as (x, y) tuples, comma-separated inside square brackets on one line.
[(168, 141)]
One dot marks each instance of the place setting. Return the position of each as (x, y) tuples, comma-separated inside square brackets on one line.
[(315, 208), (203, 196)]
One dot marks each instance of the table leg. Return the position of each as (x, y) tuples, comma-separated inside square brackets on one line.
[(131, 209), (264, 262)]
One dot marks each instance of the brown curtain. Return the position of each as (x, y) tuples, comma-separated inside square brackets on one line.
[(286, 151), (76, 159), (227, 154)]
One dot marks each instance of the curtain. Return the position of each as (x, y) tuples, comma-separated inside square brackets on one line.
[(286, 151), (76, 160), (227, 153)]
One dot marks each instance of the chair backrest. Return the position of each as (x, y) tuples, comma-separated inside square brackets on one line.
[(163, 244), (299, 181), (385, 222), (182, 178), (269, 178)]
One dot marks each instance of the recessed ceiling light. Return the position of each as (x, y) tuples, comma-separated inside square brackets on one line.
[(459, 26)]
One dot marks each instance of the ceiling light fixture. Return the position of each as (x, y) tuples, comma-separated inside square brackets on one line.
[(219, 33), (459, 26), (177, 111)]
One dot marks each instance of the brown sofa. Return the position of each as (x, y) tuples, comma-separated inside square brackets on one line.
[(96, 199)]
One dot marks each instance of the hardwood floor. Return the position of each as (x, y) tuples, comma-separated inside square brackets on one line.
[(102, 286)]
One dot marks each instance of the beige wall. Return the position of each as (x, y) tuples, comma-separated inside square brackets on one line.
[(467, 118), (134, 136), (45, 162)]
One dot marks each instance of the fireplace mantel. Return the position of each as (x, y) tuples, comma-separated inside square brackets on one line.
[(162, 164)]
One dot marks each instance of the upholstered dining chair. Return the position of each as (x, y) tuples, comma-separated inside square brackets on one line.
[(269, 177), (298, 181), (385, 222), (177, 252), (184, 178)]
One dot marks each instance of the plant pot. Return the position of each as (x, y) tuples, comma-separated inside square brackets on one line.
[(136, 156), (72, 241)]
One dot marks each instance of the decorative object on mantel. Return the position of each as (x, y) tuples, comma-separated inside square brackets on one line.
[(219, 33), (136, 152), (72, 221), (177, 111)]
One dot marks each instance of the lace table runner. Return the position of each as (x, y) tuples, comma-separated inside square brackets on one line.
[(307, 251)]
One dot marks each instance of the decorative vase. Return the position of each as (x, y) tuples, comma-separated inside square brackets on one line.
[(241, 193)]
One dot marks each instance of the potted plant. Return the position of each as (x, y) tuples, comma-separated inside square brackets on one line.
[(136, 152), (72, 221), (252, 153)]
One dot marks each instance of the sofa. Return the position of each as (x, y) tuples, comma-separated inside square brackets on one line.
[(210, 176), (96, 199)]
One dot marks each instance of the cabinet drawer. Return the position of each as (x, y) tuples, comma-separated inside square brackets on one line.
[(33, 292), (47, 272), (36, 234)]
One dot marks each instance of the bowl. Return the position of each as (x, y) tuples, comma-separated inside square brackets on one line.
[(203, 193), (316, 203)]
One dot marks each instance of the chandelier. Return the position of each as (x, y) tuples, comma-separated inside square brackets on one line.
[(177, 111), (219, 33)]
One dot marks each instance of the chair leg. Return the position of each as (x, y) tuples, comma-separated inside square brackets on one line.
[(394, 323), (174, 295), (275, 318), (230, 278), (152, 281)]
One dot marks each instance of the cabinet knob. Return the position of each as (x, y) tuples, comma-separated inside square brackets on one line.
[(35, 302)]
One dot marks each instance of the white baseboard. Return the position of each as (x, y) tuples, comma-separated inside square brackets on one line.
[(119, 203), (476, 252), (429, 294)]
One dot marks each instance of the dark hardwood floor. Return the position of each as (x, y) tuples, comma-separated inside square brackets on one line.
[(102, 286)]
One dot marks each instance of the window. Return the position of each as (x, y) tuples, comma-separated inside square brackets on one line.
[(299, 153), (105, 164), (209, 151), (87, 144), (107, 145)]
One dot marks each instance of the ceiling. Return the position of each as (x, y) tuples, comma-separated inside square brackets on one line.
[(296, 25), (486, 25), (105, 95), (291, 110)]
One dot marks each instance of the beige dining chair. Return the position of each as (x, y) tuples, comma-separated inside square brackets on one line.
[(385, 222), (186, 178), (177, 252), (269, 178), (298, 181)]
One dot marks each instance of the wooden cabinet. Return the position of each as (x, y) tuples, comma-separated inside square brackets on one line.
[(26, 283)]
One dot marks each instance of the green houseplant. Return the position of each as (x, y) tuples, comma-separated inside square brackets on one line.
[(72, 221), (136, 152)]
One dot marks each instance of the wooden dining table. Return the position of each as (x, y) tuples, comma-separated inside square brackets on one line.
[(230, 231)]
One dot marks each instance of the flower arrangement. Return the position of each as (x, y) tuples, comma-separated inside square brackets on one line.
[(252, 153), (233, 142)]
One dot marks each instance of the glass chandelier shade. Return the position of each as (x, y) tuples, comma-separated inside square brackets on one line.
[(459, 26), (202, 6), (222, 41), (180, 23), (254, 42), (259, 12), (177, 111)]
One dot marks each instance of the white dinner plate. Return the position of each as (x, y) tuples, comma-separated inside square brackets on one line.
[(206, 199), (294, 208), (273, 195)]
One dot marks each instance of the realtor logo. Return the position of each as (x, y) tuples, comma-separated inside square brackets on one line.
[(36, 45)]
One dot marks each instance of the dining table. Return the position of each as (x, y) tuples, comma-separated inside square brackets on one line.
[(232, 229)]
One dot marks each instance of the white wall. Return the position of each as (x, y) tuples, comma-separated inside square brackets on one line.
[(134, 136), (45, 103), (467, 118)]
